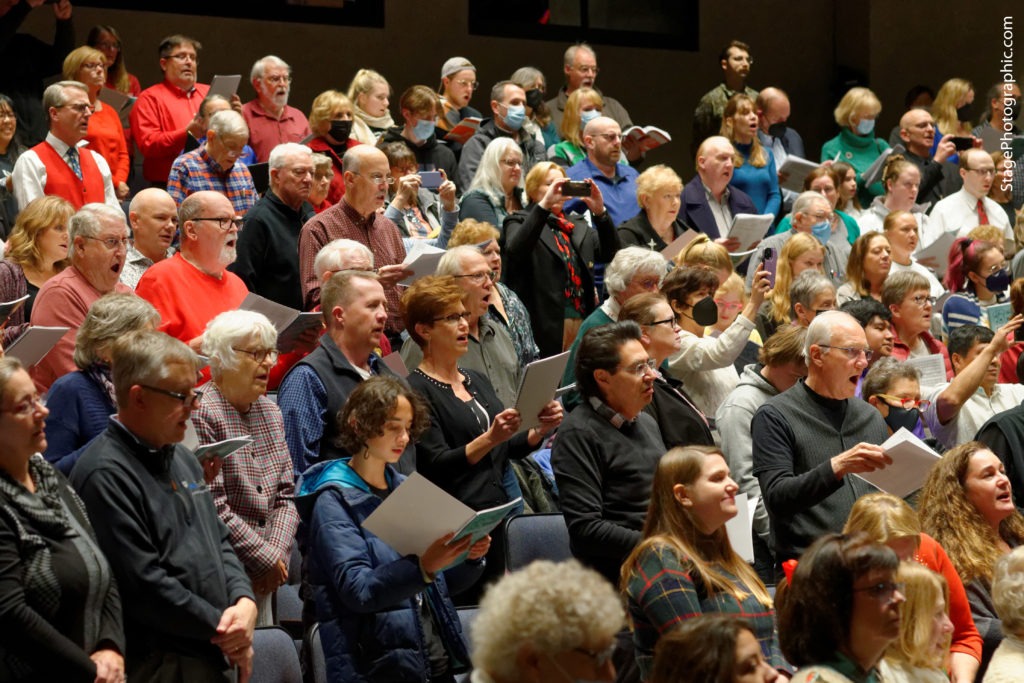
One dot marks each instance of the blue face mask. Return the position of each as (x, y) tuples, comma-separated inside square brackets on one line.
[(515, 116), (865, 126), (822, 231), (588, 116), (423, 129)]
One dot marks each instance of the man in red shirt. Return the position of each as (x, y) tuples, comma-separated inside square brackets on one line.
[(271, 121), (166, 112)]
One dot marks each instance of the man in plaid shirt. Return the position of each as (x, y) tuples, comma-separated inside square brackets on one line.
[(215, 165)]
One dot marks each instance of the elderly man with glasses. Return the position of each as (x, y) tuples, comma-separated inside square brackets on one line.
[(216, 164), (272, 121), (811, 437), (97, 247), (58, 165)]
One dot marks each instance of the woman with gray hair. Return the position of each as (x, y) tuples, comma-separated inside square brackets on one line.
[(253, 490), (1008, 596), (812, 293), (538, 116), (82, 402), (547, 622), (497, 187)]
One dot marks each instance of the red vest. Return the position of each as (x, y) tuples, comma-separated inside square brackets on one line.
[(62, 181)]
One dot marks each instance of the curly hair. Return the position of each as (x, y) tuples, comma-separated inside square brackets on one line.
[(922, 589), (700, 649), (948, 516), (472, 232), (369, 407)]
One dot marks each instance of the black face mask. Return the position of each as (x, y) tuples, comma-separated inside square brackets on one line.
[(963, 113), (340, 130), (777, 130), (1015, 111), (998, 282), (534, 98), (705, 312), (902, 417)]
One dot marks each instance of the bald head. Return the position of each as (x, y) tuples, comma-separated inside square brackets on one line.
[(366, 171), (772, 107), (154, 221), (715, 163), (917, 130), (602, 137)]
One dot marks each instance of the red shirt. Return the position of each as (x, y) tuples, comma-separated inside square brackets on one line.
[(106, 138), (159, 121), (62, 181), (266, 132)]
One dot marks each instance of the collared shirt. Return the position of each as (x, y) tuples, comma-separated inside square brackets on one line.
[(619, 191), (160, 119), (720, 210), (197, 171), (28, 179), (959, 213), (267, 132), (617, 419), (135, 264), (973, 413)]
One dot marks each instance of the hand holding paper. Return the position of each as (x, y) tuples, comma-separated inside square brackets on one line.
[(864, 457), (443, 552)]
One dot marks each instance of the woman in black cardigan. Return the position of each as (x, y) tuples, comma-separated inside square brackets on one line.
[(549, 257), (472, 435), (61, 618)]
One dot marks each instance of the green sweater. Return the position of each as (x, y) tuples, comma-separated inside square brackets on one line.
[(860, 152)]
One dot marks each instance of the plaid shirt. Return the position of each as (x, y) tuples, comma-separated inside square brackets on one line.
[(663, 591), (253, 491), (197, 171)]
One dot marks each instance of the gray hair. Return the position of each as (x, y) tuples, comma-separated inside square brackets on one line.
[(805, 200), (54, 95), (145, 357), (451, 262), (88, 222), (884, 373), (552, 607), (526, 76), (627, 263), (285, 150), (1008, 591), (230, 328), (9, 365), (570, 53), (806, 288), (335, 254), (498, 90), (488, 173), (109, 319), (819, 332), (191, 206), (228, 122), (898, 285), (260, 65)]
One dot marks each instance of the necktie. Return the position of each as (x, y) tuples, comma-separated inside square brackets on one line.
[(982, 216), (72, 157)]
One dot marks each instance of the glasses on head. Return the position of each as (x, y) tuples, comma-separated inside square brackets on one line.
[(885, 590), (275, 80), (378, 179), (512, 163), (601, 657), (94, 65), (852, 352), (225, 223), (467, 84), (922, 300), (454, 318), (78, 108), (110, 243), (183, 57), (189, 400), (671, 322), (643, 367), (984, 172), (27, 407), (611, 137), (258, 355), (476, 278), (908, 403)]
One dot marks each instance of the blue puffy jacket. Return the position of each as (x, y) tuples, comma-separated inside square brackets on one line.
[(366, 594)]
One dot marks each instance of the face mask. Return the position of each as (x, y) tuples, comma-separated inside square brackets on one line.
[(865, 126), (534, 98), (1014, 110), (515, 116), (423, 129), (705, 312), (340, 130), (998, 281), (588, 116), (902, 417), (822, 231), (963, 113), (777, 130)]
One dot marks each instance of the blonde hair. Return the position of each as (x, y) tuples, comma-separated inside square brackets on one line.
[(39, 215), (732, 285), (742, 104), (702, 252), (472, 232), (660, 177), (854, 101), (922, 588), (884, 517), (323, 106), (796, 246), (537, 175), (944, 106), (363, 82), (569, 128), (79, 56)]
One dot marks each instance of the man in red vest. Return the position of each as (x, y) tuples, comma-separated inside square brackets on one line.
[(61, 165)]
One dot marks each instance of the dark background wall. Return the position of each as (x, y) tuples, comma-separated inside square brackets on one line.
[(810, 48)]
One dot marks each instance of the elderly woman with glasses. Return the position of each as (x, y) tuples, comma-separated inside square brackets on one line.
[(253, 490), (61, 618), (908, 295), (83, 401)]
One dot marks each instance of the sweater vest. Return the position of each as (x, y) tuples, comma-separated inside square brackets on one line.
[(62, 181)]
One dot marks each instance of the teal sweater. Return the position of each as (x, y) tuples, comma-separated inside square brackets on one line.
[(860, 152)]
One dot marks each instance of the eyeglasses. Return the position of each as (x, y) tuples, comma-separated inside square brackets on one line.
[(183, 57), (94, 65), (78, 108), (600, 658), (882, 591), (907, 403), (378, 179), (587, 69), (467, 84), (920, 300), (454, 318), (512, 163), (611, 137), (728, 305), (110, 243), (671, 322), (823, 216), (996, 267), (984, 172), (189, 400), (643, 367), (27, 407), (224, 224), (259, 355), (851, 352), (274, 80), (476, 278)]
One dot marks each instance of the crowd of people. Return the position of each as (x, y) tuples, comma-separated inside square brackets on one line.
[(879, 300)]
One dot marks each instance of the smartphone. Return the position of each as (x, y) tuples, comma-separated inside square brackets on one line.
[(431, 180), (962, 143), (576, 188)]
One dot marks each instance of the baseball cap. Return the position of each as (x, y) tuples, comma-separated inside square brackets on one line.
[(455, 65)]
